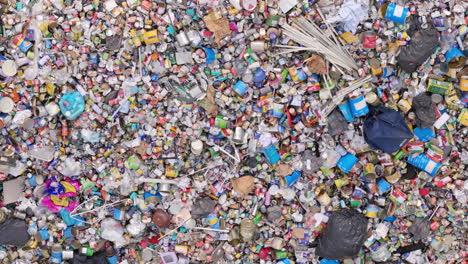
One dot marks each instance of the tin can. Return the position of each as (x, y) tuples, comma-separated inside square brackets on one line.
[(463, 117), (324, 199), (42, 235), (369, 40), (277, 110), (220, 122), (347, 162), (341, 182), (147, 255), (111, 256), (464, 83), (234, 237), (67, 254), (346, 111), (213, 220), (278, 254), (358, 106), (164, 188), (257, 46), (455, 58), (247, 229), (372, 99), (6, 105), (87, 251), (372, 210), (440, 87), (422, 162), (396, 13), (240, 88), (3, 216), (404, 105), (369, 171), (182, 39), (239, 134), (36, 180), (56, 256)]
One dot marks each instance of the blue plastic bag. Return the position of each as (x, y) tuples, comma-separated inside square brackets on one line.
[(385, 129)]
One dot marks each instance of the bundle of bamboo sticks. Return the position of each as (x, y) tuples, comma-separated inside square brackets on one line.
[(312, 38)]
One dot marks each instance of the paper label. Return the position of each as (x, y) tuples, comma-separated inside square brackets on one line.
[(360, 105), (398, 12), (430, 166)]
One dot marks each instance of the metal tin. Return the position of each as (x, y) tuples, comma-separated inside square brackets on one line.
[(67, 254), (396, 13), (220, 122), (247, 229), (455, 58), (147, 255), (277, 110), (56, 256), (464, 83), (164, 187), (372, 99), (422, 162), (404, 105), (239, 134), (257, 46), (440, 87), (182, 39), (358, 106), (347, 162), (369, 40), (234, 237), (324, 199), (375, 67), (87, 251), (35, 180), (3, 216), (369, 171), (346, 111), (240, 88), (111, 257)]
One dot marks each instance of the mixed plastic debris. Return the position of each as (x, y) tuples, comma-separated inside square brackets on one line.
[(233, 131)]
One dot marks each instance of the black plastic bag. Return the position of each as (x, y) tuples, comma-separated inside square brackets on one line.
[(202, 208), (337, 124), (344, 235), (424, 110), (14, 231), (422, 45), (386, 129)]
